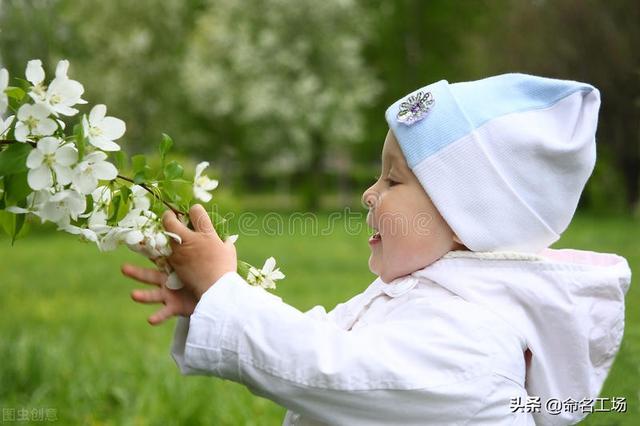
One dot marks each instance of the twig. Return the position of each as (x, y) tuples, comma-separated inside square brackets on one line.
[(177, 212), (12, 141)]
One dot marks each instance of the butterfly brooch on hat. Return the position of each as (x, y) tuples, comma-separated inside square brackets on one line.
[(415, 108)]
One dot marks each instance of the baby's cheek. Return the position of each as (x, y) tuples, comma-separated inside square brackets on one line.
[(405, 255)]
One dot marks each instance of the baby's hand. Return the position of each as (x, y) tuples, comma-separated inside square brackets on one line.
[(202, 257), (176, 302)]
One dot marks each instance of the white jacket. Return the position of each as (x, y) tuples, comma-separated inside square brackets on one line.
[(442, 346)]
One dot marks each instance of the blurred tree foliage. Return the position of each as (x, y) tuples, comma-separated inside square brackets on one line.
[(236, 83), (587, 40), (127, 54), (292, 77)]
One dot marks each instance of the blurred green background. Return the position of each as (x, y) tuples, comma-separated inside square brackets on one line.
[(286, 100)]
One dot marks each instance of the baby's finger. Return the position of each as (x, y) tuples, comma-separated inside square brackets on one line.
[(161, 315), (201, 221), (148, 296), (144, 275), (172, 224)]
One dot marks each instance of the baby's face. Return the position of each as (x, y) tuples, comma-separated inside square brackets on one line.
[(412, 233)]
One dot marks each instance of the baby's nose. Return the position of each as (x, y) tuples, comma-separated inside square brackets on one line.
[(368, 198)]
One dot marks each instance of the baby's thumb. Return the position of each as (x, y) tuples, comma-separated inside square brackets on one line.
[(173, 225), (200, 220)]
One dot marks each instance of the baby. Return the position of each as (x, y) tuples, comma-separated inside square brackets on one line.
[(472, 319)]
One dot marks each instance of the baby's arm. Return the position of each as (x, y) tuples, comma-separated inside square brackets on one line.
[(383, 374), (387, 373)]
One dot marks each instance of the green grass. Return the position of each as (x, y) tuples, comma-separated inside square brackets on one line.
[(72, 339)]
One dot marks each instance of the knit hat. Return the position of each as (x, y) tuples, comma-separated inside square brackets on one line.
[(503, 159)]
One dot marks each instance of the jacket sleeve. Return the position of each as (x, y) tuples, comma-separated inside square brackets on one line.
[(306, 363)]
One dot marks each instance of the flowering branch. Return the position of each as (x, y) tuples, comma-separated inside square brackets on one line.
[(53, 175), (169, 206)]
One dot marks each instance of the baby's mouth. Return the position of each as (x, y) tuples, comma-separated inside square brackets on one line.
[(375, 237)]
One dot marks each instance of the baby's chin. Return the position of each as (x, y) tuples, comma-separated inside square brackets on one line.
[(396, 270), (387, 274)]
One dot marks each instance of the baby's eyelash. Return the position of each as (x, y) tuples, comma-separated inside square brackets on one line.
[(390, 181)]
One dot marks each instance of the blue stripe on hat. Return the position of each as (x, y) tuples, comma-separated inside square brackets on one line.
[(482, 100)]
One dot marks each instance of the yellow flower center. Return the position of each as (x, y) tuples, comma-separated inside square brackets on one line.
[(55, 99), (49, 159), (31, 122), (95, 131)]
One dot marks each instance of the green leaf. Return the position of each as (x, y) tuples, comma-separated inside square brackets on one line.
[(16, 188), (14, 159), (78, 133), (6, 221), (165, 146), (24, 84), (89, 203), (170, 196), (13, 224), (126, 192), (138, 163), (17, 227), (121, 160), (139, 178), (243, 268), (173, 170), (114, 207), (15, 93)]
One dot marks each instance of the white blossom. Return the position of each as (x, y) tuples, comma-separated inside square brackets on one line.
[(35, 201), (86, 233), (136, 220), (108, 236), (63, 206), (50, 157), (140, 199), (266, 277), (4, 82), (33, 120), (101, 197), (98, 215), (173, 281), (92, 168), (202, 184), (97, 218), (101, 130), (141, 231), (63, 93), (35, 75)]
